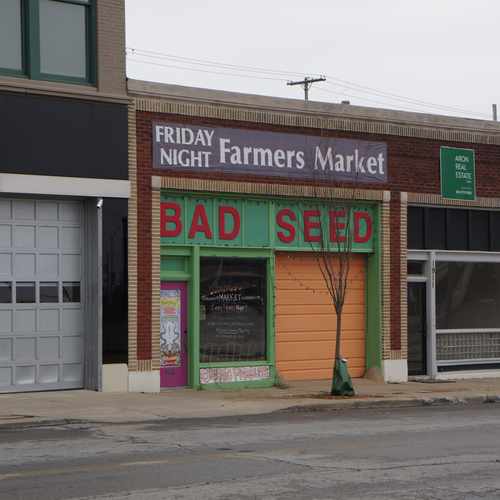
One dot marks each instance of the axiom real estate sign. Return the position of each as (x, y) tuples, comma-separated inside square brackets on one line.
[(256, 152), (458, 173)]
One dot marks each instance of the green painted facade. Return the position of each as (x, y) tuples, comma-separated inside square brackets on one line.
[(180, 261)]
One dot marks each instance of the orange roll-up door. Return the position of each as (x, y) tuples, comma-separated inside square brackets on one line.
[(305, 318)]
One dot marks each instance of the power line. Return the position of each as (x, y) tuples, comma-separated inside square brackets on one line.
[(243, 72)]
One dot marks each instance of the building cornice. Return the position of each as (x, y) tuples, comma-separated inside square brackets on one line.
[(214, 104)]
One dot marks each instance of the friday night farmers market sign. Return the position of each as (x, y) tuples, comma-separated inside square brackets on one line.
[(222, 149)]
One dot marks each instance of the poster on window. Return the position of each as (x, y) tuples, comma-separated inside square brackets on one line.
[(170, 328)]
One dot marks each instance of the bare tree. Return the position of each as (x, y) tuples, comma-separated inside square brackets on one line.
[(333, 250)]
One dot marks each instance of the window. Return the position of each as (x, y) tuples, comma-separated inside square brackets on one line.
[(233, 310), (432, 228), (48, 39), (467, 295)]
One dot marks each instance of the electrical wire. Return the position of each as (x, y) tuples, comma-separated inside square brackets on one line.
[(254, 72)]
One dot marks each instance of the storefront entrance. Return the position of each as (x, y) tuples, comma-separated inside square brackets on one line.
[(173, 335)]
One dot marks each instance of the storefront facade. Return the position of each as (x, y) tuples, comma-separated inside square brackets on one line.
[(226, 201), (63, 197)]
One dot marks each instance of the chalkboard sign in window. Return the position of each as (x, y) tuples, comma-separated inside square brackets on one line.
[(233, 310)]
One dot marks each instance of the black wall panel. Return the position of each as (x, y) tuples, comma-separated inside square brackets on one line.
[(479, 230), (44, 135), (457, 232), (416, 228), (114, 267), (435, 228)]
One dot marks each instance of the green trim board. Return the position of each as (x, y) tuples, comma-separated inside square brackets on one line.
[(281, 224), (373, 340)]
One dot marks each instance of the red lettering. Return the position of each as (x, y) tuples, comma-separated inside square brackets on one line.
[(336, 225), (200, 224), (358, 217), (167, 218), (289, 236), (310, 225), (228, 235)]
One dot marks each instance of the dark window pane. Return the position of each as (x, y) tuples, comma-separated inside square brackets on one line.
[(495, 231), (416, 228), (416, 267), (10, 35), (456, 229), (49, 292), (467, 295), (25, 292), (435, 228), (63, 39), (71, 291), (5, 292), (479, 230), (233, 310)]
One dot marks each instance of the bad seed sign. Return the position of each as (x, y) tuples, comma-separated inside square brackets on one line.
[(221, 149), (261, 223), (458, 173)]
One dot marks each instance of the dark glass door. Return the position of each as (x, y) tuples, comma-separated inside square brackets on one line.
[(417, 329)]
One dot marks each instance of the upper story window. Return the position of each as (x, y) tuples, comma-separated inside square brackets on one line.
[(48, 39)]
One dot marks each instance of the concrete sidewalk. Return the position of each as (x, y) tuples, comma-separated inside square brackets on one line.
[(52, 407)]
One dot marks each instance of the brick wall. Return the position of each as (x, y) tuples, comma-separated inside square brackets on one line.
[(413, 166)]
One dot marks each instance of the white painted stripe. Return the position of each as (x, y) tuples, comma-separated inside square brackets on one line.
[(63, 186)]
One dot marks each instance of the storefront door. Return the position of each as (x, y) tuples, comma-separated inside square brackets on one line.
[(173, 334), (417, 330)]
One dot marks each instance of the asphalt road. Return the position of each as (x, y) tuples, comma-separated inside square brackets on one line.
[(419, 453)]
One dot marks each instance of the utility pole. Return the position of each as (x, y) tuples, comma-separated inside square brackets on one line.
[(494, 109), (307, 82)]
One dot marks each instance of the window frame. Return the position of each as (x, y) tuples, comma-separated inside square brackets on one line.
[(30, 43)]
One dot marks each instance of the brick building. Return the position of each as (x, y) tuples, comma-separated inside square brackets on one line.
[(63, 194), (226, 200)]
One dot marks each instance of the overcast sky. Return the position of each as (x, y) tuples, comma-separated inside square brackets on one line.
[(443, 52)]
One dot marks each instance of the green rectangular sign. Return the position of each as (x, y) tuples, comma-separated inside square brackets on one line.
[(282, 224), (458, 173)]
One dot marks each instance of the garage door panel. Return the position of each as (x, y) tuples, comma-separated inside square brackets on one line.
[(5, 264), (5, 209), (291, 310), (72, 321), (48, 237), (5, 236), (6, 322), (24, 349), (23, 209), (25, 320), (305, 321), (5, 349), (314, 336), (318, 322), (48, 374), (48, 320), (41, 317), (24, 265), (48, 348), (47, 210), (289, 351), (302, 297), (6, 378), (25, 374)]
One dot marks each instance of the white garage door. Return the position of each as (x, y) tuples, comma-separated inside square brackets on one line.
[(41, 314)]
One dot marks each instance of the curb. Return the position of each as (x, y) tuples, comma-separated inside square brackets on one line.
[(346, 404), (337, 405)]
